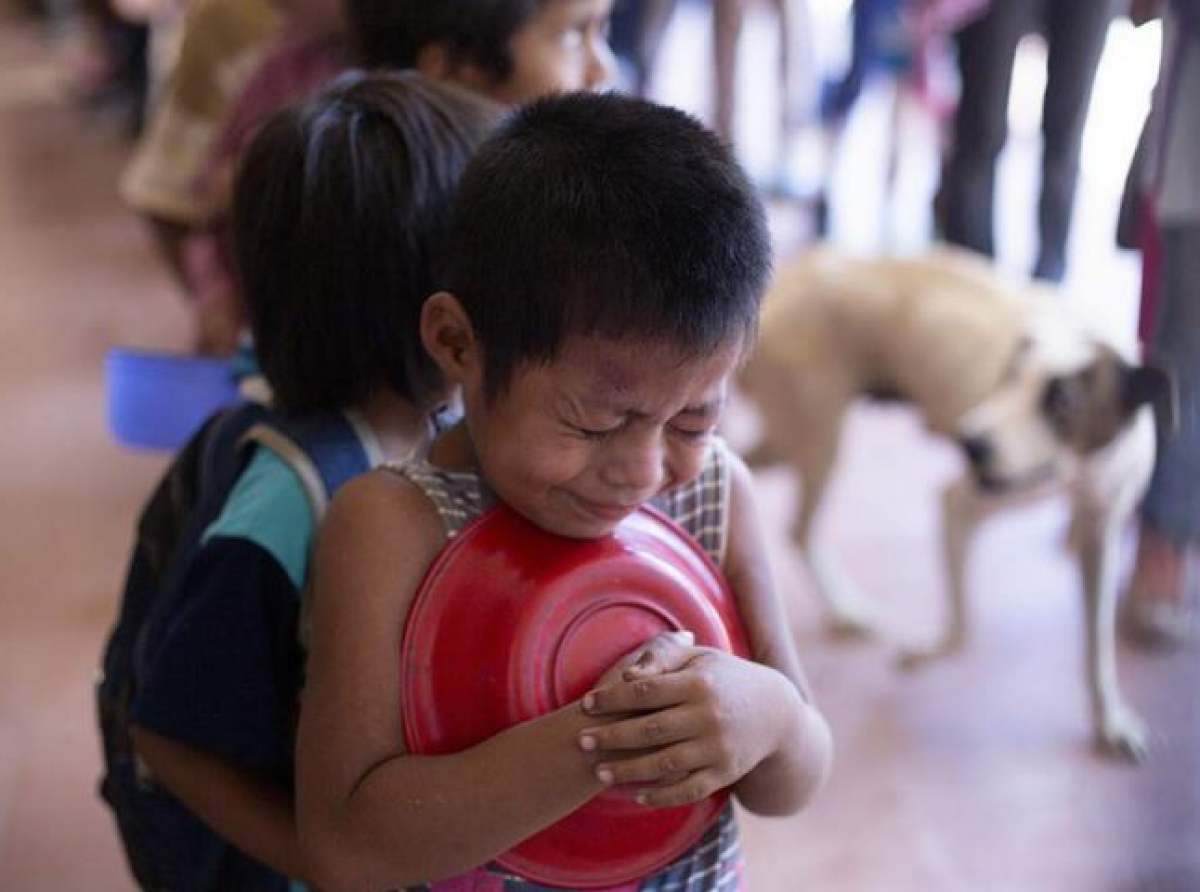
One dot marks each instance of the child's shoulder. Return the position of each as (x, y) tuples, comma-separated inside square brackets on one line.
[(382, 499), (379, 525), (268, 506), (457, 495)]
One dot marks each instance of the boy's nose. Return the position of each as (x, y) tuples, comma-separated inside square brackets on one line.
[(636, 470)]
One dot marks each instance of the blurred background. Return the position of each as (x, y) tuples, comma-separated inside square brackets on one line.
[(974, 774)]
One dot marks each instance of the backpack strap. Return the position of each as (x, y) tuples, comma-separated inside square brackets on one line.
[(189, 497), (225, 432), (327, 450), (324, 450)]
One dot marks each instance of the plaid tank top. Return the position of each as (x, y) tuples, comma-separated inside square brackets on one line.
[(714, 864)]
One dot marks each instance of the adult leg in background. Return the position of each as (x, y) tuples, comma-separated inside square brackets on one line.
[(1075, 34), (728, 20), (986, 51)]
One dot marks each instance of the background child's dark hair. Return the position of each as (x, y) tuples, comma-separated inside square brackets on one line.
[(391, 33), (609, 215), (340, 218)]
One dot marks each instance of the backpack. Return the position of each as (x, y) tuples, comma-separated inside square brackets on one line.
[(325, 452)]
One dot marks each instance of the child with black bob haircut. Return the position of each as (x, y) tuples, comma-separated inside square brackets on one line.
[(341, 211), (510, 51), (339, 228), (608, 262)]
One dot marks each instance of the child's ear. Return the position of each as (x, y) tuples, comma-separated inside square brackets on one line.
[(436, 62), (448, 336)]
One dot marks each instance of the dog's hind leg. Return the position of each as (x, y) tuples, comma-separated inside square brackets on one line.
[(964, 508), (814, 457), (800, 418)]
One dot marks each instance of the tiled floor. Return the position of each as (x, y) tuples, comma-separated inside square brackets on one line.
[(973, 775)]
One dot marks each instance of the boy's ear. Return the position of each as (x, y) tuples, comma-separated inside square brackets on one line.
[(448, 336)]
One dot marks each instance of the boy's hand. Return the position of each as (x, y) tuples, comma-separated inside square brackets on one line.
[(665, 652), (690, 731)]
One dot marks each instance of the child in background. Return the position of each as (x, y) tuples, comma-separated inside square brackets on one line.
[(340, 213), (509, 51), (608, 260), (220, 44), (308, 52), (905, 44)]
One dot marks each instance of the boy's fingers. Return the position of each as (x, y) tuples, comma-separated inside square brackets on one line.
[(665, 652), (696, 786), (654, 730), (639, 694), (670, 764)]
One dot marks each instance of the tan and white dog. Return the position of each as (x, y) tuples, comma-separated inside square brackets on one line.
[(1036, 402)]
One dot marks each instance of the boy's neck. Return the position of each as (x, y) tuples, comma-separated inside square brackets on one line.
[(396, 423), (453, 450)]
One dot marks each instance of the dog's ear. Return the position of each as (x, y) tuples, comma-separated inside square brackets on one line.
[(1149, 385)]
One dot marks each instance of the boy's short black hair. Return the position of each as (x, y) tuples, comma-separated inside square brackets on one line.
[(340, 216), (392, 33), (608, 215)]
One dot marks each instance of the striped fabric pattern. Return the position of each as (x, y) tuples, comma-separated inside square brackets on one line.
[(457, 495), (699, 506), (713, 865)]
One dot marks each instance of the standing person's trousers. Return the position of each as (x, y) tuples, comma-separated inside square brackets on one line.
[(1172, 503), (1075, 32)]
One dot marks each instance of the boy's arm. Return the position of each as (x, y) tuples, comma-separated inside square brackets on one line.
[(786, 780), (370, 816), (719, 720), (248, 811)]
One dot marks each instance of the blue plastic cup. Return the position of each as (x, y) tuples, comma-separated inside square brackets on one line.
[(156, 400)]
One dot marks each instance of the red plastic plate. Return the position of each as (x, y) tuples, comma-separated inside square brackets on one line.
[(512, 622)]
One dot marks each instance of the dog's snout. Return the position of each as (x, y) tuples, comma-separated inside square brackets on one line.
[(978, 449)]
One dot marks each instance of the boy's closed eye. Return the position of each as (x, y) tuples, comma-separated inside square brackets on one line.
[(692, 434), (693, 429), (597, 435), (697, 422), (598, 420), (592, 420)]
